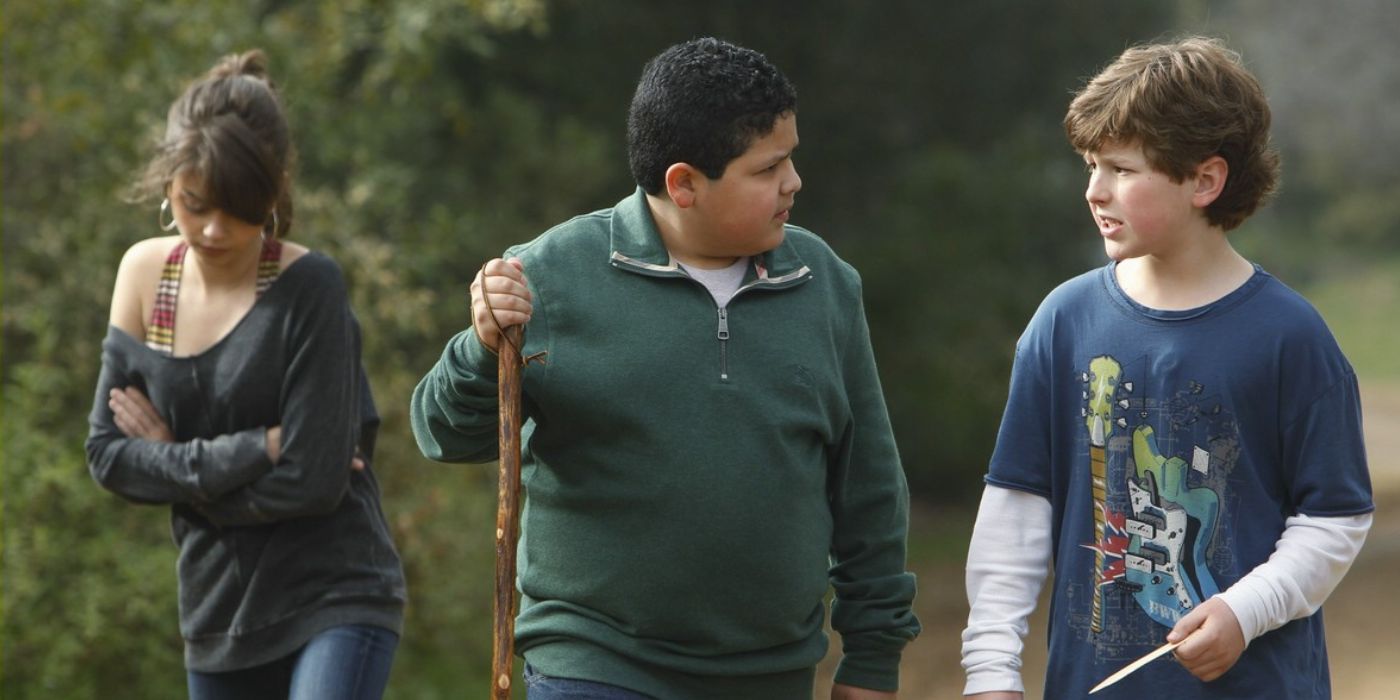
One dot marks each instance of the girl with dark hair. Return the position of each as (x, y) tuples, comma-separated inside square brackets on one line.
[(232, 390)]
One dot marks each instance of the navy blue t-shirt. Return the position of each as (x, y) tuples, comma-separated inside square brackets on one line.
[(1172, 446)]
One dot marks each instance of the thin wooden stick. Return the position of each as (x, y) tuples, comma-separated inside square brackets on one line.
[(507, 513)]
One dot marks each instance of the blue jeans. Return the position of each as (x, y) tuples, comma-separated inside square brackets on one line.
[(541, 687), (349, 662)]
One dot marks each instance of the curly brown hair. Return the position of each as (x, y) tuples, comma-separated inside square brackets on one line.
[(1184, 102), (230, 129)]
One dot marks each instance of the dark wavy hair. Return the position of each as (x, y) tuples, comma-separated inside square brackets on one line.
[(229, 128), (702, 102), (1184, 102)]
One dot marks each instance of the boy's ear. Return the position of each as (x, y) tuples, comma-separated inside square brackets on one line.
[(1210, 181), (681, 183)]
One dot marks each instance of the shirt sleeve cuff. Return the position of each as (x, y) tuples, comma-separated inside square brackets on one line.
[(874, 671), (476, 357), (993, 682)]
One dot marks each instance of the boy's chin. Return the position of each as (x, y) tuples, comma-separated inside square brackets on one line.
[(768, 240), (1117, 253), (756, 245)]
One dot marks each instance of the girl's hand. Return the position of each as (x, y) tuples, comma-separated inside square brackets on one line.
[(274, 449), (274, 443), (136, 417)]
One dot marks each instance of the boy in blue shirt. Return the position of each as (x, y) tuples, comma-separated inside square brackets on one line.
[(1182, 441), (707, 449)]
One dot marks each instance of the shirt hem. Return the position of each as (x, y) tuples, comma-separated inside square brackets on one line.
[(231, 652)]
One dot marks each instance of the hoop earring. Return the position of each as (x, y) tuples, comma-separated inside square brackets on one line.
[(165, 207), (275, 225)]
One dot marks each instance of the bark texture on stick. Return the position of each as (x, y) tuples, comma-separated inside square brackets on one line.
[(507, 513)]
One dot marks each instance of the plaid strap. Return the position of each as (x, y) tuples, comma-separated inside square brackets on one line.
[(160, 332), (270, 264)]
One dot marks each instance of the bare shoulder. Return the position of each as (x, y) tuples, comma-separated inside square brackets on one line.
[(134, 293), (291, 252)]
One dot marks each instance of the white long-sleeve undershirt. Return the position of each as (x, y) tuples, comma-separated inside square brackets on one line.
[(1007, 563), (1009, 559), (1310, 559)]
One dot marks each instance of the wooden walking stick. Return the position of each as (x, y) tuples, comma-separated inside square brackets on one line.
[(509, 365)]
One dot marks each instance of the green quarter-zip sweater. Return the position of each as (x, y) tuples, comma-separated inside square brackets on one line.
[(696, 477)]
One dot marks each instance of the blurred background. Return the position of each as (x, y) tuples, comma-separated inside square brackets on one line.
[(434, 133)]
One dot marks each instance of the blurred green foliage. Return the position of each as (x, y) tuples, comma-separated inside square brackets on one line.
[(434, 133)]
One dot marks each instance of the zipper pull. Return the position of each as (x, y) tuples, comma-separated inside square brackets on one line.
[(723, 323)]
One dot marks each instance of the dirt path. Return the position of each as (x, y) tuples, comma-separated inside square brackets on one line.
[(1363, 614)]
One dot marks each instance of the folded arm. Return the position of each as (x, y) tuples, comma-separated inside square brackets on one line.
[(148, 467), (321, 408)]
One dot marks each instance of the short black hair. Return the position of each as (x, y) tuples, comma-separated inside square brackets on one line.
[(702, 102)]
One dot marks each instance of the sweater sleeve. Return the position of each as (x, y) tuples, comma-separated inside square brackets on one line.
[(1310, 559), (1008, 561), (454, 410), (319, 405), (145, 471), (874, 593)]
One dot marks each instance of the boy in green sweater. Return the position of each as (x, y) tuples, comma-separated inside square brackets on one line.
[(707, 449)]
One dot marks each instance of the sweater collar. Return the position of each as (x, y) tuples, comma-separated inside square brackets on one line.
[(637, 243)]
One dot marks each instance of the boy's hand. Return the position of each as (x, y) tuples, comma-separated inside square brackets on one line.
[(1215, 640), (850, 692), (136, 417), (502, 282)]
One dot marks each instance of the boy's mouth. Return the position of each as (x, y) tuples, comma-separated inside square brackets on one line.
[(1107, 224)]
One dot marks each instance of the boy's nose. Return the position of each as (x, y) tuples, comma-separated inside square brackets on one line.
[(1095, 192), (793, 182)]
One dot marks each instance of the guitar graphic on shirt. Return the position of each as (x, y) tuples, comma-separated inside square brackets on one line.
[(1102, 378), (1171, 527)]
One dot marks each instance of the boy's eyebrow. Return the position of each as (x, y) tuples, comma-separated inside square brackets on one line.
[(1106, 159), (780, 157)]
